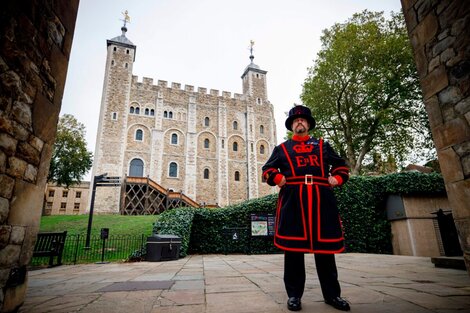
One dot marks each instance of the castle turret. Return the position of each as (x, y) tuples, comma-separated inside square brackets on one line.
[(112, 127), (254, 81)]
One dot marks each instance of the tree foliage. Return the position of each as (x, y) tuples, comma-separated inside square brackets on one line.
[(364, 91), (70, 158)]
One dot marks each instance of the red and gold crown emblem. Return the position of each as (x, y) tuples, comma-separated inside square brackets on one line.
[(303, 148)]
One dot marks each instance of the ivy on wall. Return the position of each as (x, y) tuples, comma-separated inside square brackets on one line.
[(361, 203)]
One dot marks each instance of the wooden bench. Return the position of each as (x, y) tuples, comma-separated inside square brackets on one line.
[(50, 245)]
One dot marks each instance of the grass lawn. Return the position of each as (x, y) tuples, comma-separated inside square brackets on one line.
[(117, 224)]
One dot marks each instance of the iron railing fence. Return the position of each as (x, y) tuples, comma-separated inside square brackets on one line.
[(115, 248)]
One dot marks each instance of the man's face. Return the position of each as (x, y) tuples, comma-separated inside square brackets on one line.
[(300, 126)]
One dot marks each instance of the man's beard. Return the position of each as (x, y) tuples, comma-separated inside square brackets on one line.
[(300, 129)]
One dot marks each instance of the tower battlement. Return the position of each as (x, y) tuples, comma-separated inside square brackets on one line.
[(174, 86)]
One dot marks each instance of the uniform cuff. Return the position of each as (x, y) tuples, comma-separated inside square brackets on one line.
[(339, 179), (277, 179)]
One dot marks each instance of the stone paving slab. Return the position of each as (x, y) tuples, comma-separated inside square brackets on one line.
[(247, 284)]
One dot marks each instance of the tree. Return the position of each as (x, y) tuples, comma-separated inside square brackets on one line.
[(364, 91), (70, 158)]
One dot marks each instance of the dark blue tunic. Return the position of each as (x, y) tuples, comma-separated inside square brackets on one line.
[(307, 217)]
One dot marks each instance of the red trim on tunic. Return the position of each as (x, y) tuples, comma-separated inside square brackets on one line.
[(308, 250), (321, 158), (277, 179), (300, 138), (304, 237), (341, 168), (310, 199), (288, 158), (339, 179), (320, 239)]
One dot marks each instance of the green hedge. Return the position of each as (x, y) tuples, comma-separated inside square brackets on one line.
[(361, 203)]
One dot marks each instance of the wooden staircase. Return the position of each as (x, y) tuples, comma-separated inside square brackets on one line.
[(143, 196)]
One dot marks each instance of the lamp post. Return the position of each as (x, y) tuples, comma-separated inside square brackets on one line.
[(96, 180)]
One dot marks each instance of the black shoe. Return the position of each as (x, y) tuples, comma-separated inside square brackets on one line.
[(338, 303), (294, 304)]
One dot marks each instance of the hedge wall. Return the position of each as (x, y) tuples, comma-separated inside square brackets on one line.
[(361, 203)]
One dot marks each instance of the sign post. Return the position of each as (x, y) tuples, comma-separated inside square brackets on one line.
[(102, 181)]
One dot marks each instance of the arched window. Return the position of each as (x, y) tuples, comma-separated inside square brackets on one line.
[(137, 110), (206, 173), (152, 112), (261, 149), (261, 129), (131, 110), (235, 125), (170, 114), (206, 121), (174, 139), (223, 144), (147, 111), (173, 170), (235, 146), (136, 168), (165, 114), (139, 135), (206, 143), (237, 176)]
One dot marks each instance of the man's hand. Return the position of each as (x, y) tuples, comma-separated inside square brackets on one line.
[(282, 182), (332, 181)]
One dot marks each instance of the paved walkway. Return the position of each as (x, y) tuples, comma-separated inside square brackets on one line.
[(245, 284)]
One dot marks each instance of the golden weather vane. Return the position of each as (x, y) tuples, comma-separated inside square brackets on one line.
[(127, 18)]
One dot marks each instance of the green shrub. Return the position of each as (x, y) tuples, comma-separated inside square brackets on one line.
[(361, 203), (176, 222)]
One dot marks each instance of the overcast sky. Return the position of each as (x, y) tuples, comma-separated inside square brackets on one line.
[(204, 43)]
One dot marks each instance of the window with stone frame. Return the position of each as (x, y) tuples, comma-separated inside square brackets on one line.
[(147, 111), (76, 206), (165, 114), (152, 112), (261, 129), (206, 143), (78, 194), (173, 169), (261, 149), (51, 193), (206, 121), (174, 139), (235, 125), (136, 168), (63, 205), (137, 110), (131, 110), (237, 176), (139, 135), (65, 194), (206, 173), (235, 146)]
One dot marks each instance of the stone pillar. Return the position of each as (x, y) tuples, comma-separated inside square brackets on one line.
[(439, 34), (36, 38)]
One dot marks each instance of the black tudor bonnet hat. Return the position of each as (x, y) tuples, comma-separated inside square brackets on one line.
[(300, 111)]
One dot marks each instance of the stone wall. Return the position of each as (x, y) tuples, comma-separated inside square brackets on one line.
[(36, 38), (439, 34)]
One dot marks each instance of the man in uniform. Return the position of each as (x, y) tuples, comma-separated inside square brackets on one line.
[(307, 219)]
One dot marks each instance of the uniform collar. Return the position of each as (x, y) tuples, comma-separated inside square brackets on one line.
[(300, 138)]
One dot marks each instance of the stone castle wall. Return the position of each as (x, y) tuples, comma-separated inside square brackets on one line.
[(36, 38), (218, 141), (440, 38)]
